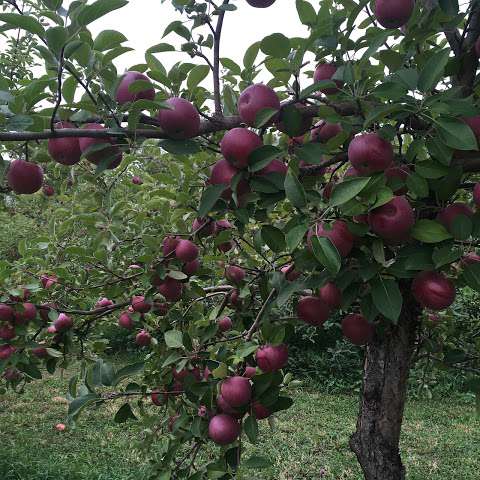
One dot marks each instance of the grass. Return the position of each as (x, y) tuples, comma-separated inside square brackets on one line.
[(441, 440)]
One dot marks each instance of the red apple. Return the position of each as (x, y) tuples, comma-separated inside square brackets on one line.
[(260, 3), (470, 259), (182, 121), (254, 99), (191, 268), (237, 145), (27, 313), (324, 131), (236, 391), (357, 329), (225, 324), (290, 273), (224, 407), (6, 313), (109, 153), (169, 245), (171, 289), (448, 215), (260, 411), (204, 227), (48, 190), (124, 95), (235, 274), (40, 352), (250, 371), (275, 166), (223, 429), (433, 290), (186, 251), (6, 351), (393, 13), (136, 180), (339, 235), (223, 173), (160, 308), (158, 398), (392, 221), (400, 173), (64, 150), (370, 153), (271, 358), (125, 321), (143, 338), (104, 303), (313, 310), (325, 71), (474, 124), (25, 177), (331, 295), (140, 304), (7, 332), (63, 322), (234, 298), (476, 194)]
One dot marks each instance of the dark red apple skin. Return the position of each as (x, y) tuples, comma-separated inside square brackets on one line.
[(447, 216), (40, 352), (235, 274), (470, 259), (125, 321), (290, 273), (204, 227), (357, 329), (474, 124), (224, 407), (369, 153), (140, 304), (331, 295), (433, 290), (275, 166), (325, 71), (271, 358), (393, 13), (327, 191), (392, 221), (236, 391), (158, 398), (186, 251), (169, 245), (223, 429), (143, 338), (48, 191), (400, 172), (325, 131), (191, 268), (313, 310), (123, 95), (351, 172), (6, 313), (250, 371), (260, 3), (237, 145), (234, 298), (63, 322), (339, 235), (6, 351), (182, 121), (7, 332), (476, 194), (223, 173), (225, 324), (65, 151), (260, 411), (254, 99), (136, 180), (171, 289), (87, 142), (25, 314), (25, 177)]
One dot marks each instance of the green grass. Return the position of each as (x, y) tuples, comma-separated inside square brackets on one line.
[(441, 440)]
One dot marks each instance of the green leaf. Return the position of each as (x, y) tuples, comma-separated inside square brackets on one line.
[(127, 371), (250, 427), (174, 339), (25, 22), (262, 156), (98, 9), (417, 185), (311, 153), (456, 134), (264, 116), (294, 190), (124, 413), (344, 192), (108, 39), (180, 147), (461, 227), (430, 231), (76, 406), (196, 75), (387, 298), (274, 238), (56, 39), (251, 55), (375, 43), (161, 47), (306, 13), (327, 254), (471, 275), (256, 461), (209, 198), (446, 255), (276, 45), (433, 70), (295, 236)]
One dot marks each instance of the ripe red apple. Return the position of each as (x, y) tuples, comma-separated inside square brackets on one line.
[(400, 173), (40, 352), (186, 251), (48, 190), (169, 245), (324, 131), (48, 280), (325, 71), (124, 95), (339, 235), (140, 304), (275, 166), (370, 153), (191, 268), (250, 371), (476, 194), (260, 3), (224, 407), (25, 177), (63, 322), (433, 290), (225, 324), (125, 321), (470, 259), (357, 329), (236, 391), (290, 273), (351, 172), (160, 308), (64, 150), (204, 227), (313, 310), (85, 143), (6, 351), (136, 180), (7, 332), (331, 295), (12, 374), (45, 310), (260, 411), (474, 124), (448, 215), (327, 191), (254, 99), (394, 220), (393, 13), (25, 314), (6, 313), (171, 289), (110, 152), (223, 429), (271, 358), (184, 373), (225, 246), (182, 121), (104, 303), (237, 145), (234, 298), (222, 225), (143, 338), (223, 173), (235, 274)]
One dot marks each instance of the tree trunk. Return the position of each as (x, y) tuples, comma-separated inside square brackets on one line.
[(386, 369)]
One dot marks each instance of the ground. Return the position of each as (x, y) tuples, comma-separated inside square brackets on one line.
[(441, 439)]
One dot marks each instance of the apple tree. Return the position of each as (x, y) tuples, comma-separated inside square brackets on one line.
[(331, 172)]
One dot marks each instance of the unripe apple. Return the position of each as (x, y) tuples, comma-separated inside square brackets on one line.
[(393, 13), (254, 99), (124, 95), (6, 351), (171, 289), (237, 145), (182, 121), (140, 304), (357, 329), (225, 324), (399, 173), (125, 321), (26, 314), (143, 338), (369, 153), (6, 313), (64, 150), (235, 274), (313, 310), (331, 295), (136, 180), (63, 322), (40, 352), (223, 429), (260, 3), (339, 235), (169, 245), (236, 391), (191, 268), (476, 194), (275, 166), (448, 215), (7, 332), (186, 251), (433, 290), (204, 227), (260, 411), (25, 177), (325, 71), (324, 131), (394, 220), (271, 358)]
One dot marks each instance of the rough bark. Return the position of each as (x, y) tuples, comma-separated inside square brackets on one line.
[(386, 369)]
